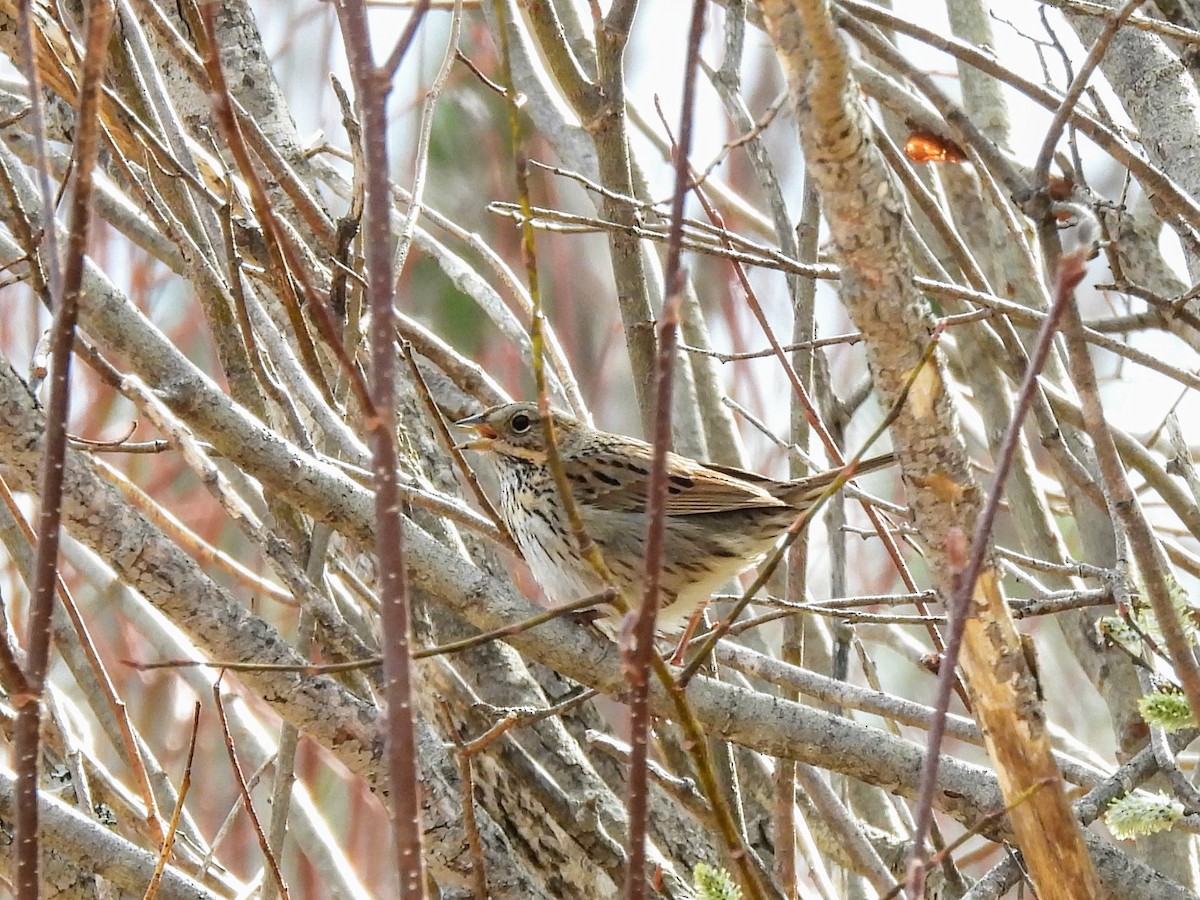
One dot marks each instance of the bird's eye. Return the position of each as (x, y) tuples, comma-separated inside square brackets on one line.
[(520, 423)]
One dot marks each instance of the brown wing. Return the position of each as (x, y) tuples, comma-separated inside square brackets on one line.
[(617, 477)]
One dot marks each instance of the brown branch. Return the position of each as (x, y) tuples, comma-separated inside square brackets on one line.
[(638, 658), (372, 85), (284, 256), (768, 565), (980, 547), (244, 792), (1113, 23), (185, 783), (1155, 573), (41, 605)]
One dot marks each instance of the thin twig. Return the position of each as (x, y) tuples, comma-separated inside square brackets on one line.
[(373, 84), (185, 783), (125, 739), (451, 447), (637, 657), (244, 791), (1041, 168), (284, 255), (466, 777), (1153, 569), (53, 470)]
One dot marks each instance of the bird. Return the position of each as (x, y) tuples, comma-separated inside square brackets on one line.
[(719, 520)]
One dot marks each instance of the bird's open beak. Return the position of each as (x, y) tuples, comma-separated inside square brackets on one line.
[(486, 433)]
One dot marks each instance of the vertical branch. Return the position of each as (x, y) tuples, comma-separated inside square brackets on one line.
[(606, 122), (372, 85), (1070, 272), (239, 778), (33, 77), (638, 671), (794, 627), (867, 228), (41, 605), (1153, 569), (537, 335), (750, 874)]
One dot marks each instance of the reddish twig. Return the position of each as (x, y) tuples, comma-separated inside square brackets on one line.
[(615, 27), (372, 85), (767, 567), (638, 659), (185, 783), (244, 791), (11, 674), (104, 684), (811, 413), (45, 571)]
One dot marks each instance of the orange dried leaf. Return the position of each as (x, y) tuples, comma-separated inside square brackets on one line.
[(1059, 187), (927, 147)]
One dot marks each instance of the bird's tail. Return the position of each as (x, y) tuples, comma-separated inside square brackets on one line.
[(807, 490)]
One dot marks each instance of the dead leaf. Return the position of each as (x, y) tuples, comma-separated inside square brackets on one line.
[(927, 147)]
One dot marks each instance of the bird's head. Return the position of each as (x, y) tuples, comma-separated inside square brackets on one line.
[(515, 429)]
